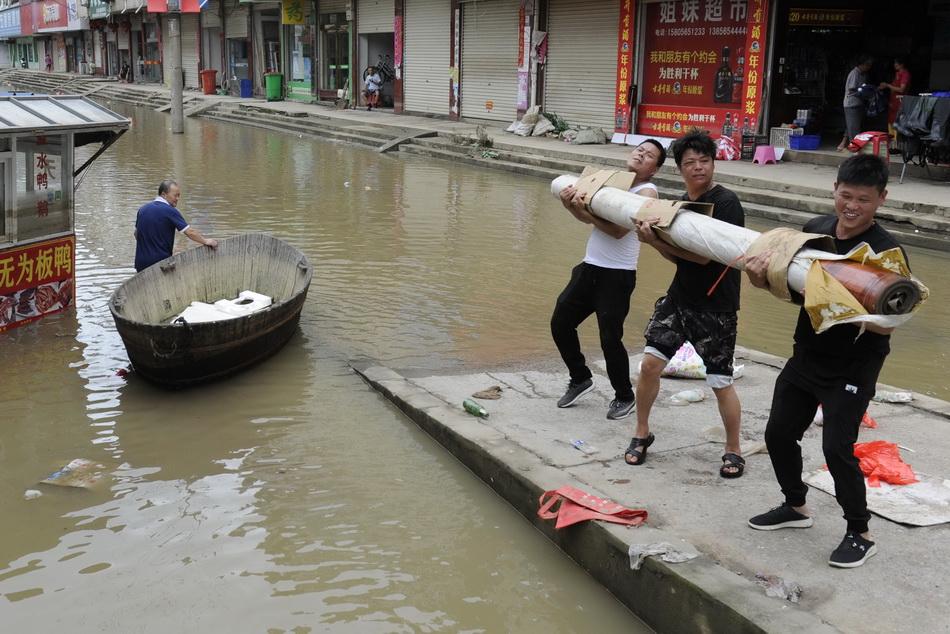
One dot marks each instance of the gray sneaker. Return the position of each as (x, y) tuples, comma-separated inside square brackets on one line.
[(620, 409), (574, 392)]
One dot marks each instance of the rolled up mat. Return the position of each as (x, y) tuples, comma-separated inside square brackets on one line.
[(879, 292)]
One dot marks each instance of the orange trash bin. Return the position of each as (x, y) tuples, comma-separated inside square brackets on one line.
[(208, 80)]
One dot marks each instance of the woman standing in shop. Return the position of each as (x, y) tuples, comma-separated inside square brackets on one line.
[(899, 86)]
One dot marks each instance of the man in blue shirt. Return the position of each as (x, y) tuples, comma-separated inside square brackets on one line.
[(155, 226)]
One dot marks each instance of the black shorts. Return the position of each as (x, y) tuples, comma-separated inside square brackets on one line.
[(713, 335)]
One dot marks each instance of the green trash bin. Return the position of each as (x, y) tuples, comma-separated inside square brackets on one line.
[(273, 83)]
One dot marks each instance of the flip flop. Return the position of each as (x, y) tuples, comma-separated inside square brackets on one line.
[(634, 450), (732, 461)]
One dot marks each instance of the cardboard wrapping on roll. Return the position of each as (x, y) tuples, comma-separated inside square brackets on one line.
[(792, 271), (785, 244), (592, 179)]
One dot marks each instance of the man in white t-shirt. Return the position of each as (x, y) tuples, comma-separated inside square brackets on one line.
[(602, 284)]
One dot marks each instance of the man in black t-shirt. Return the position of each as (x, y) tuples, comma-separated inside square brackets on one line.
[(837, 369), (700, 307)]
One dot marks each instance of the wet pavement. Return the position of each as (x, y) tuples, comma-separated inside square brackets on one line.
[(742, 579)]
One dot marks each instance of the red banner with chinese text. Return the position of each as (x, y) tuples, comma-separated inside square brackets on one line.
[(624, 67), (36, 280), (704, 66)]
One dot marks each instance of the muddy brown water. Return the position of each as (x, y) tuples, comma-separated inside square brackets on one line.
[(293, 497)]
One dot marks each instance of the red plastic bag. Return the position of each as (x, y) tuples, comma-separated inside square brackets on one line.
[(881, 460), (866, 421), (577, 506)]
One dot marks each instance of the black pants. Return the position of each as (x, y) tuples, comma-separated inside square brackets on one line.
[(606, 292), (844, 388)]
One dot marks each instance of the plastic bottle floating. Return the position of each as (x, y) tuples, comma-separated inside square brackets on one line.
[(474, 408), (688, 396)]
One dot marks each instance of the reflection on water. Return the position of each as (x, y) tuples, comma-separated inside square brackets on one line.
[(292, 497)]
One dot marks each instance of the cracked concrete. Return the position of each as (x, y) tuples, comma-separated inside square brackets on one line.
[(523, 449)]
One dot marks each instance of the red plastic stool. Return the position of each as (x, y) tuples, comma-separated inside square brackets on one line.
[(764, 154)]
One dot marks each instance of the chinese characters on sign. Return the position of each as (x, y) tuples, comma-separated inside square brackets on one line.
[(624, 68), (293, 11), (704, 67), (36, 280), (825, 17)]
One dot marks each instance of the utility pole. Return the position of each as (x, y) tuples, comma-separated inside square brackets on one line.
[(174, 62)]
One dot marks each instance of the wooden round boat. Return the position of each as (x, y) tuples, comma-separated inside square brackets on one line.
[(182, 354)]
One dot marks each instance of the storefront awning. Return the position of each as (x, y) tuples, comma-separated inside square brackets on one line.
[(36, 114)]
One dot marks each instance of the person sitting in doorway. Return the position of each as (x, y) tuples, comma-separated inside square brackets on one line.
[(373, 84)]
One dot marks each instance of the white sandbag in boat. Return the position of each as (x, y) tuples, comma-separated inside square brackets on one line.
[(245, 303)]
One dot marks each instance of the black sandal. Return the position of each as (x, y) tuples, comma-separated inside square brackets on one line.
[(732, 461), (634, 450)]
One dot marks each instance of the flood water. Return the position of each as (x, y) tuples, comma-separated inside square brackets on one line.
[(293, 498)]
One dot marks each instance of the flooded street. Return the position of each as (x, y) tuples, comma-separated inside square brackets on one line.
[(292, 497)]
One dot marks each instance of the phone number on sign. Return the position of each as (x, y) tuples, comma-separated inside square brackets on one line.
[(699, 31)]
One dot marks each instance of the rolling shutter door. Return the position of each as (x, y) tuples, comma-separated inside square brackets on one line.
[(235, 24), (375, 16), (211, 16), (332, 6), (426, 42), (489, 69), (581, 69), (189, 48)]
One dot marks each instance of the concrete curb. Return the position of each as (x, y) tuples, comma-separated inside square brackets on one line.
[(696, 596)]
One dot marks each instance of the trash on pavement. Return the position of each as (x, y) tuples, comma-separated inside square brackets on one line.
[(490, 393), (687, 396), (577, 506), (779, 588), (666, 551)]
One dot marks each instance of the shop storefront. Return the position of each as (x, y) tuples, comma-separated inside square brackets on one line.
[(580, 61), (703, 66), (300, 51), (95, 45), (375, 21), (237, 49), (425, 57), (267, 19), (334, 22), (488, 71), (190, 49), (211, 38), (150, 68), (816, 47), (26, 54), (9, 30)]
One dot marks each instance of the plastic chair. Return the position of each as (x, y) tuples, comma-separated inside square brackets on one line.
[(764, 154)]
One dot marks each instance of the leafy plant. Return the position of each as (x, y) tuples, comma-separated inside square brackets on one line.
[(560, 125)]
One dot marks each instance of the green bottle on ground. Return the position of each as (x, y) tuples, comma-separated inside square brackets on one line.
[(475, 408)]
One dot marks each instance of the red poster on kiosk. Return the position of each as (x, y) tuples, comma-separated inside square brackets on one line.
[(36, 280), (703, 68)]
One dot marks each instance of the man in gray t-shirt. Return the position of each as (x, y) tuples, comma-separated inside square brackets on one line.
[(854, 107)]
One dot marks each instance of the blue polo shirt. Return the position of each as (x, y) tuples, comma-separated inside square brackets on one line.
[(155, 226)]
